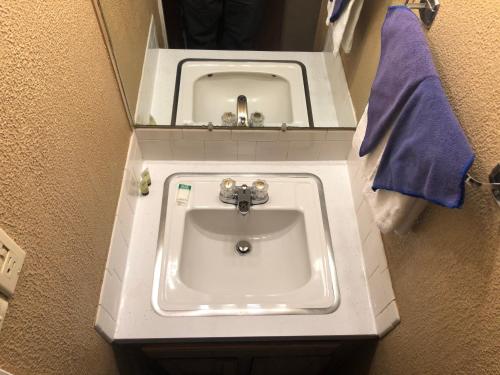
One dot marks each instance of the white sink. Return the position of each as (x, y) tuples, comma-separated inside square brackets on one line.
[(289, 269), (205, 89), (278, 239)]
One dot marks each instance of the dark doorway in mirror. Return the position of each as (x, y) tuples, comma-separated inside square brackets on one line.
[(262, 25), (173, 21)]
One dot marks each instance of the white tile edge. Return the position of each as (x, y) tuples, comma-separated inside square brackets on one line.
[(148, 75), (162, 23), (346, 114), (133, 166), (104, 323), (388, 317), (332, 149)]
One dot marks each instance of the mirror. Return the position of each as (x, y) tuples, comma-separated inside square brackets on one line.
[(261, 25), (246, 63)]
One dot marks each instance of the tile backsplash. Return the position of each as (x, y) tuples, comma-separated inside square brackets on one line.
[(248, 144), (120, 240), (382, 296)]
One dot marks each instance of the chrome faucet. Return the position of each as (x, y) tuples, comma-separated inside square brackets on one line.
[(243, 196), (243, 199), (242, 111)]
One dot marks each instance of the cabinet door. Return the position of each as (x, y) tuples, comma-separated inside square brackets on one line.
[(310, 365), (200, 366)]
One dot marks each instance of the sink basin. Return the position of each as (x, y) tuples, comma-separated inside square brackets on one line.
[(278, 240), (207, 88), (289, 268)]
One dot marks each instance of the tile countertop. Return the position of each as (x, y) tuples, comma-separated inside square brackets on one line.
[(329, 107), (137, 320)]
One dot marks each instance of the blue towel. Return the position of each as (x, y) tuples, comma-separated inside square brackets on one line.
[(427, 154), (338, 8)]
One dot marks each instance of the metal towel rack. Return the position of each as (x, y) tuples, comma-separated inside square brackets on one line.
[(428, 10), (494, 182)]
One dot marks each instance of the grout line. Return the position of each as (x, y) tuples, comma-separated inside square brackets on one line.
[(107, 270), (361, 201), (385, 307), (107, 312), (377, 268), (111, 270), (172, 148), (373, 272), (287, 150), (366, 236)]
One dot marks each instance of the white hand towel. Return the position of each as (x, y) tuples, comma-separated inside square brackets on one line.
[(351, 25), (391, 210), (329, 10), (343, 28)]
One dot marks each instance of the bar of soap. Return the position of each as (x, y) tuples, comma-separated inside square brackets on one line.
[(183, 193)]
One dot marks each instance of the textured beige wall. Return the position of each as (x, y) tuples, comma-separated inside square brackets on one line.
[(127, 23), (446, 274), (63, 142)]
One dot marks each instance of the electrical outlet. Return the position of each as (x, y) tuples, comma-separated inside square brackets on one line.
[(11, 262), (3, 310)]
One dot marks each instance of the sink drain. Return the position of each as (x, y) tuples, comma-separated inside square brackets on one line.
[(243, 247)]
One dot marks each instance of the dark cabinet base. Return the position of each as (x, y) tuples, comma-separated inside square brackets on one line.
[(270, 357)]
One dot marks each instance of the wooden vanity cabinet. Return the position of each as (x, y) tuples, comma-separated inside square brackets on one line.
[(319, 357)]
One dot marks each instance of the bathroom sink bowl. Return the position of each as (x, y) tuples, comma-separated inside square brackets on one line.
[(277, 262), (207, 88), (288, 269)]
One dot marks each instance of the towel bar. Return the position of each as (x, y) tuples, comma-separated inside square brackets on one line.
[(428, 10), (494, 182)]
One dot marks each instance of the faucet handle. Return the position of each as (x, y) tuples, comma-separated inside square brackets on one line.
[(260, 188), (227, 188)]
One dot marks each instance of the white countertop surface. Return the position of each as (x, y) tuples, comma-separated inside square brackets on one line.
[(137, 319), (324, 103)]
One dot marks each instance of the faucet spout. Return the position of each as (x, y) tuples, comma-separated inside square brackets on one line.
[(244, 207), (244, 199), (242, 111)]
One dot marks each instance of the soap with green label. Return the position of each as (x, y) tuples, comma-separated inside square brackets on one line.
[(183, 193)]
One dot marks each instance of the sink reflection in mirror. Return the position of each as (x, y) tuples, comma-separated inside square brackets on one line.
[(208, 90)]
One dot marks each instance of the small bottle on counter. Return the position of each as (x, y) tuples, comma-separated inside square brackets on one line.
[(146, 176)]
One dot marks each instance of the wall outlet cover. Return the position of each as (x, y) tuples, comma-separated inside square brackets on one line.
[(11, 262)]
